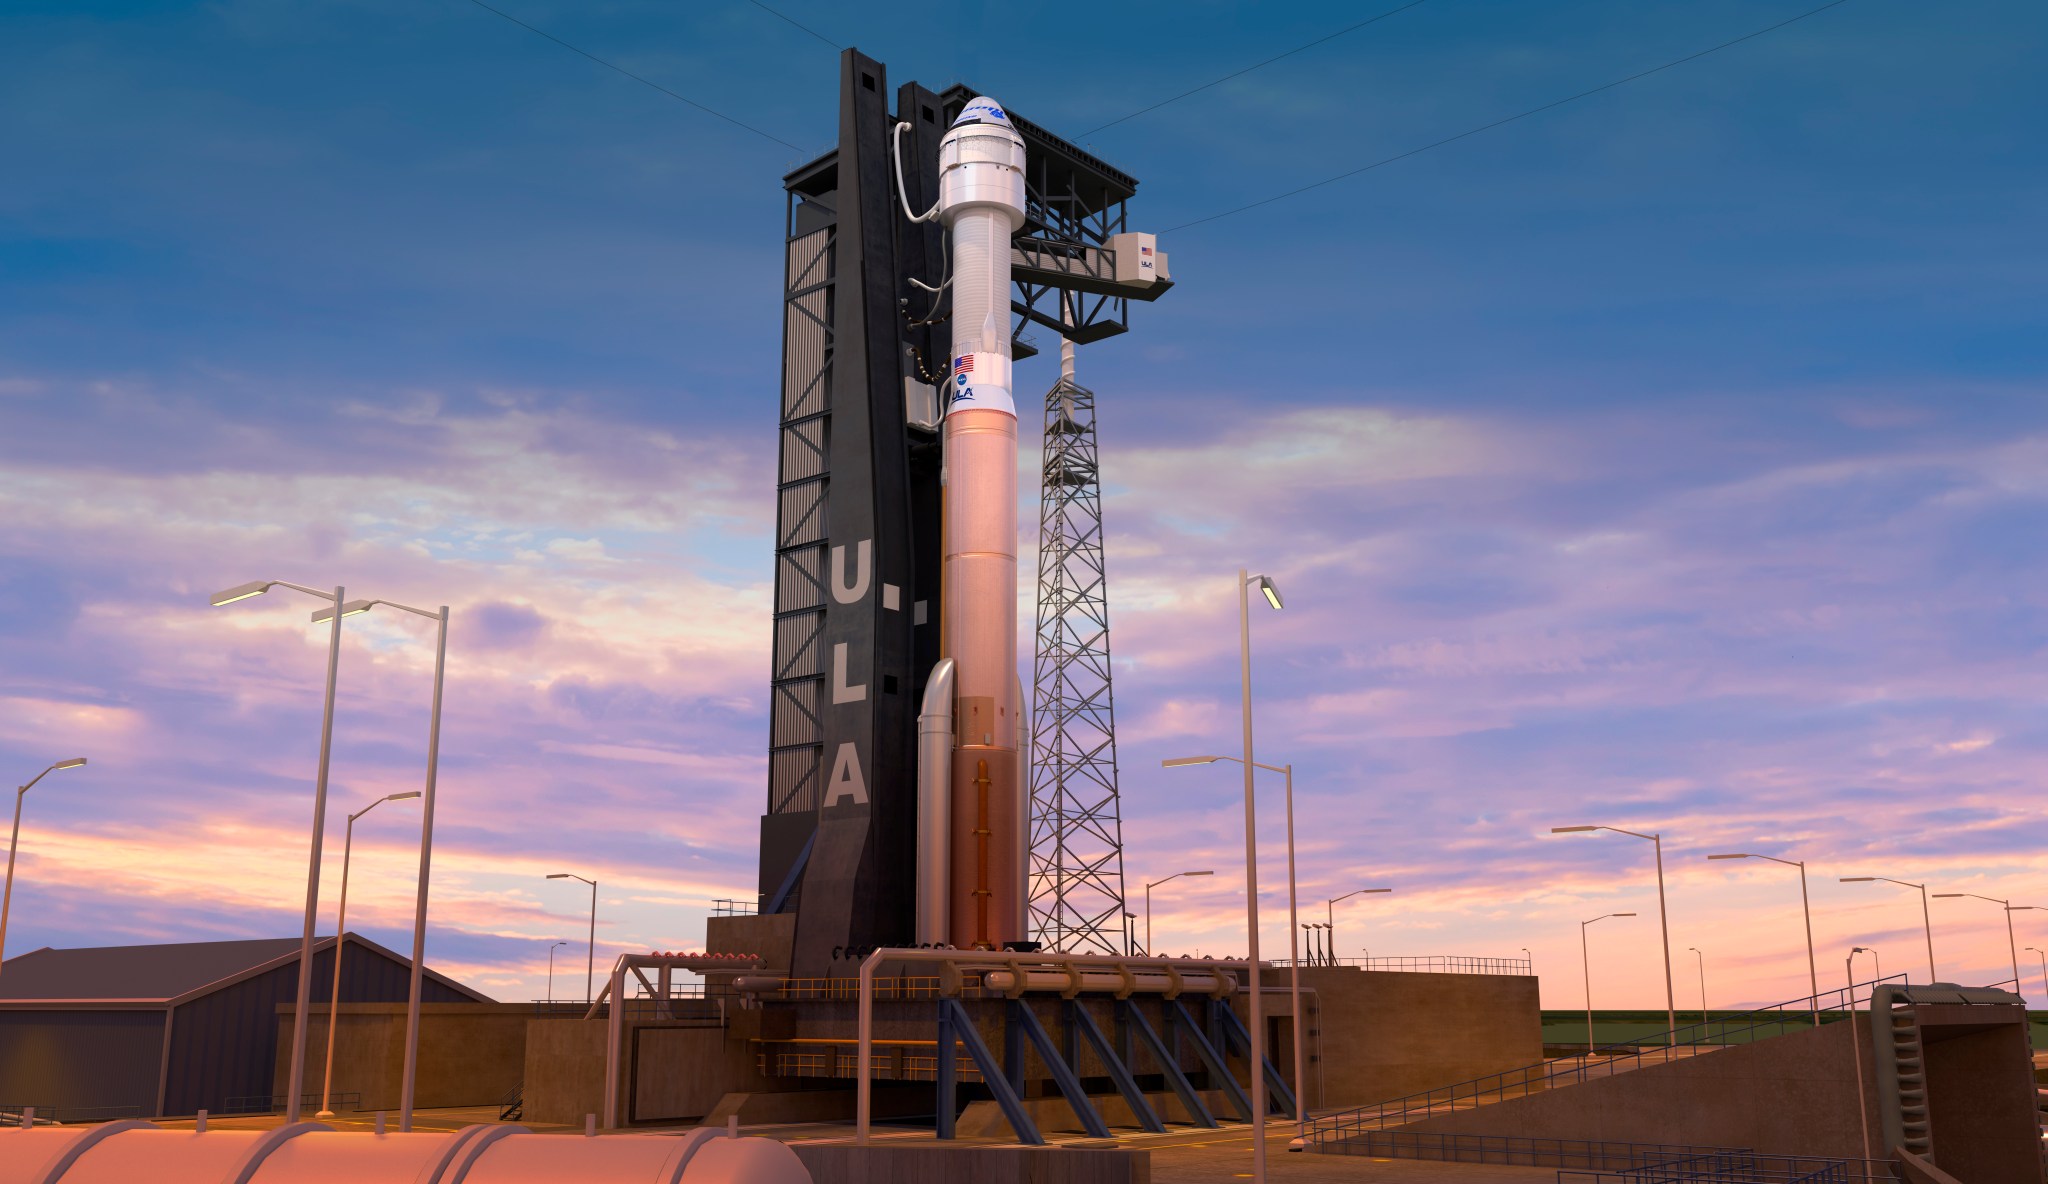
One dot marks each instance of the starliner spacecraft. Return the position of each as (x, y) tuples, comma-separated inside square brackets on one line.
[(918, 252)]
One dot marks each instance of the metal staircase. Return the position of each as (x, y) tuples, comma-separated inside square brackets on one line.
[(1901, 1073)]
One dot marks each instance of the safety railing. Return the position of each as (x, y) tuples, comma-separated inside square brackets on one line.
[(273, 1103), (733, 908), (848, 989), (1692, 1040), (1425, 964), (1741, 1167), (22, 1114), (1523, 1150), (916, 1060)]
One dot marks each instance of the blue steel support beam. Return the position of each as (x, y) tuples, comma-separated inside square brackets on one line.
[(1022, 1018), (1212, 1059), (1081, 1026), (1135, 1023), (1235, 1038), (991, 1073)]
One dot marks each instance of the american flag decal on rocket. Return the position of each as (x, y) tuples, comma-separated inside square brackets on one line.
[(963, 364)]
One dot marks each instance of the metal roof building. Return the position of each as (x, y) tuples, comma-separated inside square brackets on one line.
[(128, 1031)]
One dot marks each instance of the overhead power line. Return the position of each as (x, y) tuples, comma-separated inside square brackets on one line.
[(1641, 74), (1235, 73), (635, 77), (799, 24)]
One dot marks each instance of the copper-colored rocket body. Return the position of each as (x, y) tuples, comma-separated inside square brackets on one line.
[(981, 628)]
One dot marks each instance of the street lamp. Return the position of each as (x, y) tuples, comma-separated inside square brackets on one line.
[(2011, 943), (1806, 910), (1926, 922), (1246, 581), (551, 971), (1586, 963), (1702, 958), (294, 1082), (1330, 909), (1149, 951), (1856, 1042), (419, 905), (348, 843), (2044, 967), (7, 898), (590, 968), (1293, 931), (1663, 916)]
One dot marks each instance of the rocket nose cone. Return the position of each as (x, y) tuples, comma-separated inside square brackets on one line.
[(983, 110)]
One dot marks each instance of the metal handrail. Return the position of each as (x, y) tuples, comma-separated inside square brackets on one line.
[(1423, 963), (1692, 1040)]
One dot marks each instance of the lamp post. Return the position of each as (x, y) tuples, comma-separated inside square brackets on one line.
[(551, 970), (1856, 1042), (1806, 910), (2011, 943), (1586, 963), (1702, 959), (348, 843), (2044, 968), (1293, 928), (1149, 951), (590, 967), (419, 906), (1330, 909), (1530, 959), (295, 1080), (1926, 922), (1246, 581), (1663, 917), (7, 898)]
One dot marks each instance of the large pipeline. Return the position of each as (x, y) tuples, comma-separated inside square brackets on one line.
[(314, 1153)]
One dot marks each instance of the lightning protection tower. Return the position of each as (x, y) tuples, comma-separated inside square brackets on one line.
[(1077, 849)]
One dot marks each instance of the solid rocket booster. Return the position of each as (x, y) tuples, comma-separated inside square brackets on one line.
[(981, 204)]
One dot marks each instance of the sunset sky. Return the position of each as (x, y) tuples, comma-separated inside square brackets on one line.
[(1675, 460)]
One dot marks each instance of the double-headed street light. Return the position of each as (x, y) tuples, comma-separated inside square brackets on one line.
[(590, 967), (1150, 885), (7, 898), (1926, 922), (1663, 917), (294, 1082), (419, 907), (1586, 961), (1246, 581), (2011, 943), (1806, 910), (348, 843), (1293, 930)]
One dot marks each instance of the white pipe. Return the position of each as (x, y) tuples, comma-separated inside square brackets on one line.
[(935, 806), (1199, 983), (1020, 824)]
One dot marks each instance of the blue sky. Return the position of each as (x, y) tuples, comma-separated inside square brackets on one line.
[(1674, 458)]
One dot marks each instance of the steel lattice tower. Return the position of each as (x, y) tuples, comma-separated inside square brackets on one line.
[(1077, 849)]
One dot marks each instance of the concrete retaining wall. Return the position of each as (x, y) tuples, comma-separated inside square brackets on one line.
[(843, 1163)]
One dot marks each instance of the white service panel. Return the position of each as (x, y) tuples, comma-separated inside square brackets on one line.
[(1137, 257)]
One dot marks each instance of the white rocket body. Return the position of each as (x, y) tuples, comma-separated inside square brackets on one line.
[(974, 894)]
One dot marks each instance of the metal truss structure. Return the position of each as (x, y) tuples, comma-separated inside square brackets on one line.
[(1077, 849)]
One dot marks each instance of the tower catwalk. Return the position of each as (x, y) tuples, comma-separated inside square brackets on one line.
[(1077, 848)]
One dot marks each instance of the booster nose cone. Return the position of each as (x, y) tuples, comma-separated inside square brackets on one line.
[(983, 110)]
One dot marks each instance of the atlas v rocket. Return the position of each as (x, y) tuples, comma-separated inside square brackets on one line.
[(916, 253), (973, 798)]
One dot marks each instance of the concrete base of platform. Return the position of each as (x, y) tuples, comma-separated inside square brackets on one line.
[(984, 1119)]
